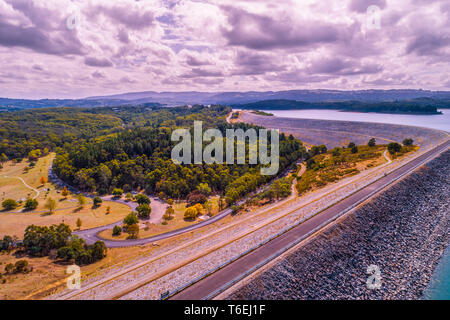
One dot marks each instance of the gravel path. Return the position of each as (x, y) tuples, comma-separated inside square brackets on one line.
[(403, 232)]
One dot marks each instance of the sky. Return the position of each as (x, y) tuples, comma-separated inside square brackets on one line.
[(80, 48)]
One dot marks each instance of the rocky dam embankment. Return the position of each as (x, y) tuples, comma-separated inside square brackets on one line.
[(403, 231)]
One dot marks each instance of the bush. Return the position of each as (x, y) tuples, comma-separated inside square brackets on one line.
[(117, 231), (31, 204), (408, 142), (372, 142), (351, 145), (190, 213), (142, 199), (117, 192), (10, 204), (78, 250), (144, 211), (21, 266), (9, 268), (131, 219), (354, 149), (97, 201)]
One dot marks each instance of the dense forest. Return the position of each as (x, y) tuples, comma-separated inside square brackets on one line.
[(99, 149), (415, 106)]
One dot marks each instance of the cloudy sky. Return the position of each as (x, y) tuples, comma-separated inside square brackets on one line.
[(78, 48)]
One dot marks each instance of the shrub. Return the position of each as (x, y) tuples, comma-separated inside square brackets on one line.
[(21, 266), (117, 231), (190, 213), (394, 147), (195, 197), (372, 142), (354, 149), (10, 204)]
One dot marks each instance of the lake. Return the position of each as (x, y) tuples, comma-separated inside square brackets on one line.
[(440, 121)]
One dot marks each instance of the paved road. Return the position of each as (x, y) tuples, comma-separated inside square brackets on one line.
[(222, 279)]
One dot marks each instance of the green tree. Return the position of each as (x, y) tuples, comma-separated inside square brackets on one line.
[(372, 142), (97, 201), (204, 188), (9, 268), (354, 149), (408, 142), (129, 197), (21, 266), (142, 199), (31, 204), (117, 192), (144, 211), (81, 200), (117, 230), (394, 147), (3, 158), (130, 219), (10, 204)]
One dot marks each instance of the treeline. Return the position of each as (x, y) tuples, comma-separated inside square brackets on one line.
[(415, 106), (27, 130)]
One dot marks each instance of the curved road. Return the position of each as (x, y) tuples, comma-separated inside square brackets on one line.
[(230, 274)]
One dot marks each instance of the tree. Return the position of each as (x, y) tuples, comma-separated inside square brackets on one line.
[(117, 192), (79, 222), (31, 204), (144, 211), (394, 147), (21, 266), (195, 197), (354, 149), (142, 199), (81, 200), (3, 158), (50, 205), (97, 201), (65, 192), (169, 213), (10, 204), (208, 206), (204, 189), (170, 202), (43, 180), (108, 210), (190, 213), (98, 250), (351, 145), (372, 142), (129, 196), (408, 142), (133, 231), (9, 268), (131, 219), (117, 231)]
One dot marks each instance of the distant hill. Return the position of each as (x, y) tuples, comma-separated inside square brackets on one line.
[(171, 99), (230, 98), (414, 106), (18, 104)]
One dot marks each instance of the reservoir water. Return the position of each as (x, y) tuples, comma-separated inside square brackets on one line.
[(439, 286), (438, 121)]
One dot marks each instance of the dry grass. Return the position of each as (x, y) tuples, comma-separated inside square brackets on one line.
[(67, 211)]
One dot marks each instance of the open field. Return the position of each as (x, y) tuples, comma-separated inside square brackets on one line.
[(67, 210)]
